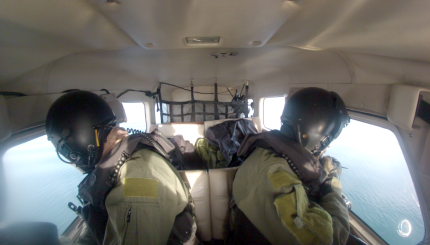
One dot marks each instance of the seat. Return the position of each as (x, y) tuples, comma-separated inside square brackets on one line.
[(221, 183), (211, 192), (199, 183)]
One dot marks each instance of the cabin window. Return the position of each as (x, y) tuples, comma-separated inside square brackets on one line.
[(39, 185), (376, 180), (136, 116), (250, 108), (272, 111), (166, 119)]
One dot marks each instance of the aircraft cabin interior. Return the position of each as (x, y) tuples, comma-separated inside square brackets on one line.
[(185, 66)]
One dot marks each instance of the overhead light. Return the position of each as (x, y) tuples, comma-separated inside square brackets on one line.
[(202, 40)]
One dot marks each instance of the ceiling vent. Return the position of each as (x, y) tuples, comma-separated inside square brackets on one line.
[(223, 54)]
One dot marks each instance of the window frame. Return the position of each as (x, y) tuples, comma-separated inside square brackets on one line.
[(147, 112), (262, 101), (158, 113), (14, 140), (384, 123)]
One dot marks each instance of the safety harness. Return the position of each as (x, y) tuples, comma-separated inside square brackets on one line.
[(94, 189)]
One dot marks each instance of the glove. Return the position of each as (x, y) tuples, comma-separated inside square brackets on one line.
[(332, 182)]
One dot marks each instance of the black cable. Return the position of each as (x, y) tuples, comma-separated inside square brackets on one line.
[(103, 89), (147, 92), (134, 131), (12, 94)]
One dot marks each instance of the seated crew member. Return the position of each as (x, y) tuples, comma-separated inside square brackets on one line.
[(132, 194), (284, 192)]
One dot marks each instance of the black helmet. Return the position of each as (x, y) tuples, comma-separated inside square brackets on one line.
[(316, 116), (75, 125)]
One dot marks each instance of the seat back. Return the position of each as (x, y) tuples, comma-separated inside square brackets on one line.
[(221, 183), (211, 191), (200, 192), (190, 131)]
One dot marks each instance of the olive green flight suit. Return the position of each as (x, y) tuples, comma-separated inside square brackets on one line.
[(145, 201), (272, 197)]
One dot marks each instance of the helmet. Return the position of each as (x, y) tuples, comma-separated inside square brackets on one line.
[(316, 116), (75, 125)]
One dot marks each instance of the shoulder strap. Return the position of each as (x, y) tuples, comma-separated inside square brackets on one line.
[(304, 164), (95, 187)]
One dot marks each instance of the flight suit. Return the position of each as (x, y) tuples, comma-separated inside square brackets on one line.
[(146, 197), (145, 201), (273, 198)]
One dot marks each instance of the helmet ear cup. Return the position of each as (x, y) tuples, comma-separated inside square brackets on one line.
[(317, 117), (343, 118), (71, 126)]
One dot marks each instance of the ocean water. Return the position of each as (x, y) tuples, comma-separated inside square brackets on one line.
[(38, 185), (376, 180)]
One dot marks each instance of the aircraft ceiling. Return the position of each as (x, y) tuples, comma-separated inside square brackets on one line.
[(48, 44)]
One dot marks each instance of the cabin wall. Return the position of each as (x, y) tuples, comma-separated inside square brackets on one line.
[(417, 146), (31, 111), (366, 87), (363, 81)]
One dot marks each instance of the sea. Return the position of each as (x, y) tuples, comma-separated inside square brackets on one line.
[(375, 178)]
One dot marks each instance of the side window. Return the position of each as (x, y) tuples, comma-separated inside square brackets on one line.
[(136, 116), (250, 108), (272, 111), (376, 180), (39, 185), (166, 119)]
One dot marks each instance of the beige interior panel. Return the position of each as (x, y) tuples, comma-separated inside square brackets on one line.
[(152, 127), (137, 67), (35, 33), (166, 23), (190, 131), (362, 96), (402, 105), (29, 111), (387, 28), (221, 181), (199, 183)]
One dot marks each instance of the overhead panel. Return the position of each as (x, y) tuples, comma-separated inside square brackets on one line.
[(165, 24), (133, 68), (34, 33), (397, 29)]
